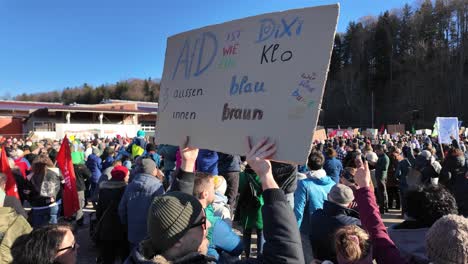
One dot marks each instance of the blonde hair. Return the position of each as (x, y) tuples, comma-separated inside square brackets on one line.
[(352, 243)]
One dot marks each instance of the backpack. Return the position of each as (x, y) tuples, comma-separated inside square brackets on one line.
[(137, 150), (413, 178)]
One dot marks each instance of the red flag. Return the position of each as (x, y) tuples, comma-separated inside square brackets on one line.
[(70, 195), (10, 187), (333, 133)]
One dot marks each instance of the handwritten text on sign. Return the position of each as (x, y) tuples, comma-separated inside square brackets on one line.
[(258, 76)]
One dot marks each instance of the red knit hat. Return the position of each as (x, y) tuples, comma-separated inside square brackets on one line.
[(119, 173)]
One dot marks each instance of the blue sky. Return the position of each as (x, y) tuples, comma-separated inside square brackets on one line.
[(48, 45)]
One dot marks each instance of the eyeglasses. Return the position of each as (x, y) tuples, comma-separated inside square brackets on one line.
[(73, 247)]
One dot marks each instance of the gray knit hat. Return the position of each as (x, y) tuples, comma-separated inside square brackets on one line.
[(341, 194), (447, 240), (170, 217)]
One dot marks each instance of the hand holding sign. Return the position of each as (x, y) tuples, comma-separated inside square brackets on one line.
[(257, 157)]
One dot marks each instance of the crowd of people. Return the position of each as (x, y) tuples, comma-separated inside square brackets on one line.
[(157, 203)]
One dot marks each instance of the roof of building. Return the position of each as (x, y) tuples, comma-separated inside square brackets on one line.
[(31, 106)]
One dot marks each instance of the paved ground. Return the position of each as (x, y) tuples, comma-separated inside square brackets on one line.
[(87, 252)]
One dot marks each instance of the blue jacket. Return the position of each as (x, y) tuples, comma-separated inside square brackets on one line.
[(168, 152), (107, 162), (207, 161), (135, 203), (333, 167), (94, 165), (310, 196)]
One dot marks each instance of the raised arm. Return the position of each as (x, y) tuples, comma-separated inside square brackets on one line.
[(283, 242)]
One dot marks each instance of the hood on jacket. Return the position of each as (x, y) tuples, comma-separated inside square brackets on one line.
[(318, 174), (112, 184), (333, 209)]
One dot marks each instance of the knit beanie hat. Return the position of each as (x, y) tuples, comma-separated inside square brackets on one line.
[(447, 240), (148, 166), (169, 218), (341, 194), (119, 173)]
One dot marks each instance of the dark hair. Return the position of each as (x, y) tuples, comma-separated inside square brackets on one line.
[(201, 182), (379, 147), (349, 159), (53, 155), (315, 160), (428, 204), (331, 153), (150, 147), (40, 246)]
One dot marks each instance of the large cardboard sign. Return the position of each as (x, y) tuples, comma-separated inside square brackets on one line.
[(447, 126), (320, 135), (259, 76)]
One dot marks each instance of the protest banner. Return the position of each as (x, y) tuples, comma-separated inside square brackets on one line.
[(395, 129), (261, 76), (320, 135), (447, 128)]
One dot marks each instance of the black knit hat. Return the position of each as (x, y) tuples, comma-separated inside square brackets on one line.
[(169, 218)]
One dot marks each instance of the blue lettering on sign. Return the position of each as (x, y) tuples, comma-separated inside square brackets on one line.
[(269, 28), (244, 86), (199, 52)]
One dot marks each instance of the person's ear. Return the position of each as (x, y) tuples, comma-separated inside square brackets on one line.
[(204, 195)]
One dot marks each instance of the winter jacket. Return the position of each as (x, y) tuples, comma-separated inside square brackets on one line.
[(228, 163), (12, 226), (383, 248), (45, 192), (207, 161), (168, 152), (107, 162), (283, 242), (111, 229), (381, 168), (94, 165), (137, 147), (285, 176), (323, 225), (333, 167), (78, 157), (82, 174), (12, 202), (453, 177), (250, 200), (221, 208), (310, 196), (402, 170), (133, 207)]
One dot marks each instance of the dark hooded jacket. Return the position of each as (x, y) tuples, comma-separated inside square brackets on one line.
[(323, 225), (285, 175), (453, 177)]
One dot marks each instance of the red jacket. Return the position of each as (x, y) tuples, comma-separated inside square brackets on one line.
[(384, 250)]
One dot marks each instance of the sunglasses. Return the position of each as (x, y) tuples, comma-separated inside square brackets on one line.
[(73, 247), (202, 223)]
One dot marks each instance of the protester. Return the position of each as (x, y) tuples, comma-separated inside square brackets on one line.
[(111, 235), (381, 170), (46, 245), (82, 174), (138, 145), (250, 209), (325, 222), (424, 207), (181, 238), (332, 165), (136, 200), (447, 240), (220, 204), (310, 196), (453, 177), (44, 192), (229, 168), (94, 164)]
